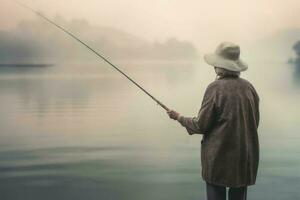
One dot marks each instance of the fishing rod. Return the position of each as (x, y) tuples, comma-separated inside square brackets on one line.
[(92, 50)]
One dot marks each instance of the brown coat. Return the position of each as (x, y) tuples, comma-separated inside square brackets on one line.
[(228, 120)]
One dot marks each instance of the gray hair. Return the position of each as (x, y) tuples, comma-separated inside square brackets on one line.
[(224, 72)]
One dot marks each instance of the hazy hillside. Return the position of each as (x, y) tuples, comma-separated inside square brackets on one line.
[(275, 47), (37, 41)]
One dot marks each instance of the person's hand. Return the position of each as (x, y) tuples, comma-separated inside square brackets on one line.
[(173, 114)]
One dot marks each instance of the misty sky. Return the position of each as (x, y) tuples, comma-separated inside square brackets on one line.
[(204, 22)]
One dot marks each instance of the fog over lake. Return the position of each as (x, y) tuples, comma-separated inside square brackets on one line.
[(71, 127)]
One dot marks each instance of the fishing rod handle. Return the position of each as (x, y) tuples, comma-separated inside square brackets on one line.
[(163, 106)]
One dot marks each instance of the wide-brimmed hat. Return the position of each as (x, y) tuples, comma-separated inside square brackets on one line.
[(227, 56)]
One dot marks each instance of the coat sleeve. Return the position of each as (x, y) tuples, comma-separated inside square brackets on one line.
[(206, 115), (256, 105), (257, 115)]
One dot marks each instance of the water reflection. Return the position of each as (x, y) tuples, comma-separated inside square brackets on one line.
[(80, 132), (296, 71)]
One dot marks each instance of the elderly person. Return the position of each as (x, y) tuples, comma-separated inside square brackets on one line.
[(228, 120)]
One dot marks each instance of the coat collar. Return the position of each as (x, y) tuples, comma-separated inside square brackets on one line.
[(228, 76)]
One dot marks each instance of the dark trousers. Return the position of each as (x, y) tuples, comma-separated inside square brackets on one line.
[(215, 192)]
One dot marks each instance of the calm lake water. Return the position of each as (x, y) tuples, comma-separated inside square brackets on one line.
[(85, 132)]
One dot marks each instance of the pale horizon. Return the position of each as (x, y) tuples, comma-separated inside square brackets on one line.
[(204, 23)]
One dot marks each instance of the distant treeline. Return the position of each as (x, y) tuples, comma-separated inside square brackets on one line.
[(37, 41), (296, 48)]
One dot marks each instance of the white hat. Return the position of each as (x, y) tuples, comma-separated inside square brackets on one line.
[(227, 56)]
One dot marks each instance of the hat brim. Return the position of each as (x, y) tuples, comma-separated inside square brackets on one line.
[(232, 65)]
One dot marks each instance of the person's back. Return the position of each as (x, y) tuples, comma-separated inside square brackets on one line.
[(231, 148), (228, 119)]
